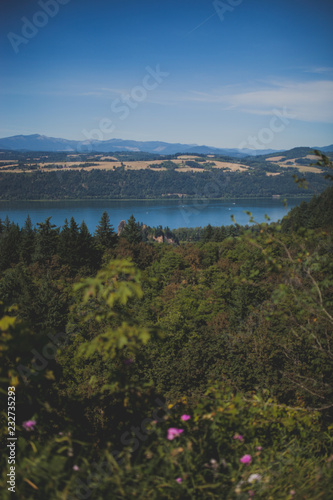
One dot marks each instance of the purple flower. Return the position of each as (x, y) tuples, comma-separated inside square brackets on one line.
[(184, 418), (259, 448), (128, 361), (173, 432), (76, 467), (251, 493), (238, 436), (246, 459), (179, 480), (29, 425)]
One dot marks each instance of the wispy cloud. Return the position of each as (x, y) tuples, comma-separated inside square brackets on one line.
[(319, 69), (307, 101)]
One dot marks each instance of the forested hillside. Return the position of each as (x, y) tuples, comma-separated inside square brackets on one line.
[(152, 370), (145, 184)]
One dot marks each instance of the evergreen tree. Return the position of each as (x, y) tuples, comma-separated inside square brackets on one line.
[(10, 242), (47, 240), (208, 233), (63, 243), (86, 252), (73, 242), (104, 234), (69, 246), (132, 231), (7, 223), (28, 241)]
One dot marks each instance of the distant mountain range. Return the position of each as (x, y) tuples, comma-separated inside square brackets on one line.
[(325, 149), (38, 142)]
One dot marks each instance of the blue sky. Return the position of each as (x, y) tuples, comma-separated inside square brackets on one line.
[(233, 73)]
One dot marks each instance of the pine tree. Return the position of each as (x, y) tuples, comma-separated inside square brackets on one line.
[(132, 231), (63, 242), (47, 240), (28, 241), (10, 243), (104, 234), (69, 245), (7, 224), (73, 241), (87, 252), (208, 233)]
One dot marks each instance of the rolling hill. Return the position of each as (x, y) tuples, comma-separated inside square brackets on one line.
[(38, 142)]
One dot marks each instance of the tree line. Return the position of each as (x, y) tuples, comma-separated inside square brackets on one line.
[(147, 184)]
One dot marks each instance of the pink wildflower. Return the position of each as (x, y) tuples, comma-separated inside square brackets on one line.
[(259, 448), (29, 425), (251, 493), (246, 459), (76, 467), (238, 436), (179, 480), (185, 417), (173, 432)]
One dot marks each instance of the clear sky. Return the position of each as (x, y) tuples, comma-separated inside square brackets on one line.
[(251, 73)]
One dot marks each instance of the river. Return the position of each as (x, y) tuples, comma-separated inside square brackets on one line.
[(171, 213)]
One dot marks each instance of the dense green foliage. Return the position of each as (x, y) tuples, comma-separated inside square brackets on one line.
[(120, 183), (291, 153), (307, 215), (145, 184), (165, 370)]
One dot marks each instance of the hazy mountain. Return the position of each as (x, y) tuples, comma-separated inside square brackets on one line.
[(325, 149), (293, 153), (38, 142)]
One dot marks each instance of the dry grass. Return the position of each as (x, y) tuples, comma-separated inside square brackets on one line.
[(306, 168), (234, 167), (301, 168), (313, 157), (134, 165), (48, 166), (188, 157), (189, 169), (275, 158)]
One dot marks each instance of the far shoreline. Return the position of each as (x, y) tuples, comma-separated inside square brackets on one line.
[(186, 198)]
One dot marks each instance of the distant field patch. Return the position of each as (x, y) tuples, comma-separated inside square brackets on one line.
[(305, 168), (275, 158), (313, 157), (234, 167), (291, 162), (187, 157)]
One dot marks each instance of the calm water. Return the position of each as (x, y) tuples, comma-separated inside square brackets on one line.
[(172, 213)]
